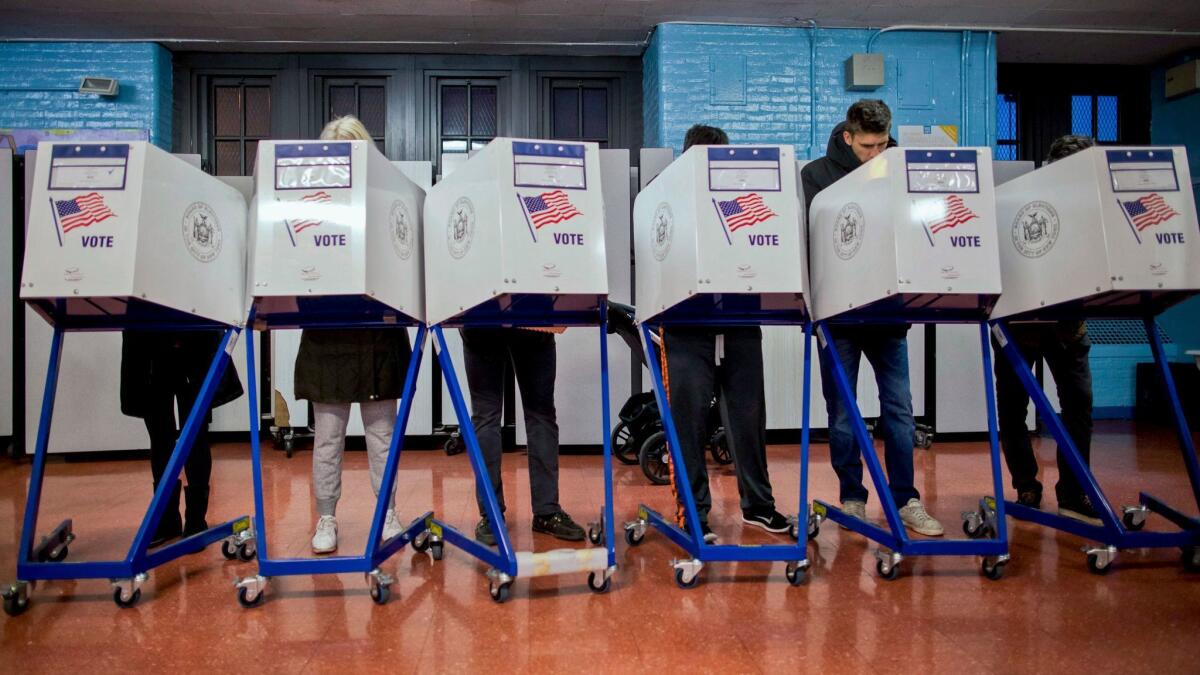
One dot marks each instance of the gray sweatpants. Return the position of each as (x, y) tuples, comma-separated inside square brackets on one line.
[(378, 418)]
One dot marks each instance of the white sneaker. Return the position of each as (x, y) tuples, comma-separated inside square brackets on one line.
[(855, 509), (917, 519), (391, 526), (325, 538)]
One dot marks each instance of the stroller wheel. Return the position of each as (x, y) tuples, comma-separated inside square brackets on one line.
[(655, 459), (718, 446), (623, 446)]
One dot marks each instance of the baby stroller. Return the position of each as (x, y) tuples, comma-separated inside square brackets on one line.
[(638, 437)]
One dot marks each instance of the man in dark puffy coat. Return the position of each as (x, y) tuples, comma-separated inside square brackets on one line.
[(857, 140), (158, 369)]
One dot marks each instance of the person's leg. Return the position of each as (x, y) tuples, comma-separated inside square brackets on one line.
[(160, 425), (378, 418), (844, 452), (485, 352), (1012, 406), (198, 468), (535, 364), (743, 397), (329, 445), (1067, 358), (691, 373), (888, 355)]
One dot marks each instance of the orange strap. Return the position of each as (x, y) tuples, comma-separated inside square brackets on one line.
[(662, 357)]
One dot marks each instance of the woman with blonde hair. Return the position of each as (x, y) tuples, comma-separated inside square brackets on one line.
[(337, 367)]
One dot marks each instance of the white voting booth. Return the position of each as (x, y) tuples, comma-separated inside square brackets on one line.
[(521, 217), (126, 229), (334, 219), (911, 230), (1108, 231), (720, 227), (165, 180)]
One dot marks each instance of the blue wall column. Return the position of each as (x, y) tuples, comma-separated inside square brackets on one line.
[(39, 84), (762, 86)]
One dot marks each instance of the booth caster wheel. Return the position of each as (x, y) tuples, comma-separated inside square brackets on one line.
[(605, 582), (16, 598), (127, 592), (248, 598), (246, 552), (229, 550), (58, 555), (687, 573), (975, 528), (425, 542), (887, 564), (437, 549), (595, 533), (1099, 560), (1191, 558), (125, 601), (251, 591), (500, 592), (993, 568), (380, 594), (379, 584), (796, 573), (1134, 517), (635, 532)]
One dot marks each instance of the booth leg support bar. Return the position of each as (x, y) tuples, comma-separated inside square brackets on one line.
[(992, 544), (507, 564), (1114, 532), (250, 590), (43, 561), (691, 539)]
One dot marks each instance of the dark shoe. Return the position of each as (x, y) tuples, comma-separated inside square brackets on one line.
[(768, 519), (483, 533), (558, 525), (1030, 498), (195, 500), (1079, 508)]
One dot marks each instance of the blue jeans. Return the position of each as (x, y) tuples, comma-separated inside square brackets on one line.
[(888, 354)]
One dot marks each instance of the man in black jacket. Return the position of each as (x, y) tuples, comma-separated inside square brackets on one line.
[(1065, 346), (729, 361), (854, 142)]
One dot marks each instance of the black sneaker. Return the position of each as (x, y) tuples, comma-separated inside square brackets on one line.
[(1030, 498), (768, 519), (559, 525), (1079, 508), (483, 533)]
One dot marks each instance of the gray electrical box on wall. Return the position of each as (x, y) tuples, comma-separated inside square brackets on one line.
[(1183, 79), (864, 72)]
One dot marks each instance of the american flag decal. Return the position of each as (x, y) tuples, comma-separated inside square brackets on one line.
[(549, 208), (321, 197), (957, 213), (82, 211), (744, 211), (1149, 210)]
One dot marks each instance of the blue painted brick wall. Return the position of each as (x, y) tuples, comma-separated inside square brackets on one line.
[(28, 69), (677, 82), (1173, 122)]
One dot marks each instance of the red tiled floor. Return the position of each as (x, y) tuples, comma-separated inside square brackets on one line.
[(1048, 614)]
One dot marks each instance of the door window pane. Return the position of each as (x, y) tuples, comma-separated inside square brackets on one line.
[(372, 109), (227, 109), (565, 113), (454, 111), (483, 111), (1081, 115), (595, 113), (258, 111), (229, 158), (1106, 118)]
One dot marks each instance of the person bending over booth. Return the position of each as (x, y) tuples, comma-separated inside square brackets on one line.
[(728, 361), (855, 141), (1065, 346), (335, 368)]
